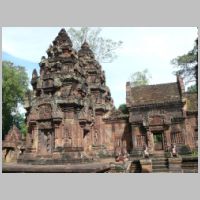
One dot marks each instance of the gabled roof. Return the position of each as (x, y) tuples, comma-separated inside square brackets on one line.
[(154, 94)]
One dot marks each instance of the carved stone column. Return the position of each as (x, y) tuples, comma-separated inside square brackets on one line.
[(35, 138), (150, 141), (53, 140), (58, 135), (134, 132)]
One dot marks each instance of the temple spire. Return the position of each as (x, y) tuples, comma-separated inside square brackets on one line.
[(62, 38), (85, 45), (86, 50), (34, 74)]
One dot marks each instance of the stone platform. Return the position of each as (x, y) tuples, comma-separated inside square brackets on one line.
[(68, 168)]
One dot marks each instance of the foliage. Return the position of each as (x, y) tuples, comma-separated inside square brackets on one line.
[(187, 64), (140, 78), (15, 84), (19, 120), (123, 108), (195, 153), (192, 88), (104, 49)]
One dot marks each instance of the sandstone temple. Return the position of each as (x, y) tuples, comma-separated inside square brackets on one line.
[(71, 116)]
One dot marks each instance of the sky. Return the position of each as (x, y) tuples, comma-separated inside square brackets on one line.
[(149, 48)]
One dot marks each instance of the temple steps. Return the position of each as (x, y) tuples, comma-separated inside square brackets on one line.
[(190, 165), (160, 164), (165, 170)]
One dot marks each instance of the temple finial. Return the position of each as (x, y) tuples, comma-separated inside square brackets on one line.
[(62, 38), (85, 45)]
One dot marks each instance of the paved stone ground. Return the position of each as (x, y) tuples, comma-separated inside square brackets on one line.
[(68, 168)]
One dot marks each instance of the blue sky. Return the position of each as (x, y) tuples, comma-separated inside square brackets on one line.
[(151, 48)]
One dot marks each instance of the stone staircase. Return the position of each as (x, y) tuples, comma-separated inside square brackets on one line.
[(190, 164), (160, 163)]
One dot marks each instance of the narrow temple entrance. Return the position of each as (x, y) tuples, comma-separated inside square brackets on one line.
[(158, 141)]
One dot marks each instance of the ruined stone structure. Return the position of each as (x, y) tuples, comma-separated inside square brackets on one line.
[(162, 115), (13, 145), (71, 116)]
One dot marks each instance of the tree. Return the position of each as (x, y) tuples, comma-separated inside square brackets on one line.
[(140, 78), (19, 120), (187, 65), (104, 49), (15, 84), (123, 108), (192, 88)]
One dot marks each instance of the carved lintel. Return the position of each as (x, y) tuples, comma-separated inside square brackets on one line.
[(45, 125)]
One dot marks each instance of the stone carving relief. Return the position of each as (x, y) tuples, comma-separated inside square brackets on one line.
[(33, 116), (57, 82), (156, 120), (48, 83), (47, 141), (45, 125), (67, 136), (150, 140), (45, 111), (66, 90)]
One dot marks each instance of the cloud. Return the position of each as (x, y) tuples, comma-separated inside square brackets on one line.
[(163, 43)]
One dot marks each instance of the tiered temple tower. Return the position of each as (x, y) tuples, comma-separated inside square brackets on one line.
[(65, 109), (99, 93)]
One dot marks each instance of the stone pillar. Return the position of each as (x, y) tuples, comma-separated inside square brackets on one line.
[(58, 136), (33, 138), (53, 140), (167, 134), (37, 138), (134, 133), (150, 141), (39, 141)]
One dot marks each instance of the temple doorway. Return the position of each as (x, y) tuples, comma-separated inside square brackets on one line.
[(158, 141)]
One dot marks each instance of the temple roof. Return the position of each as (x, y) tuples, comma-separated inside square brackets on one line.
[(86, 51), (13, 134), (151, 94), (191, 101), (63, 38), (85, 45)]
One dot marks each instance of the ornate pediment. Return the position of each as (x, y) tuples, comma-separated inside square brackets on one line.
[(156, 120), (45, 111)]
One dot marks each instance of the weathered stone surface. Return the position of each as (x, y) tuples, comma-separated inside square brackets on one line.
[(175, 165), (72, 168), (13, 145), (71, 117), (66, 108), (162, 115), (146, 165)]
